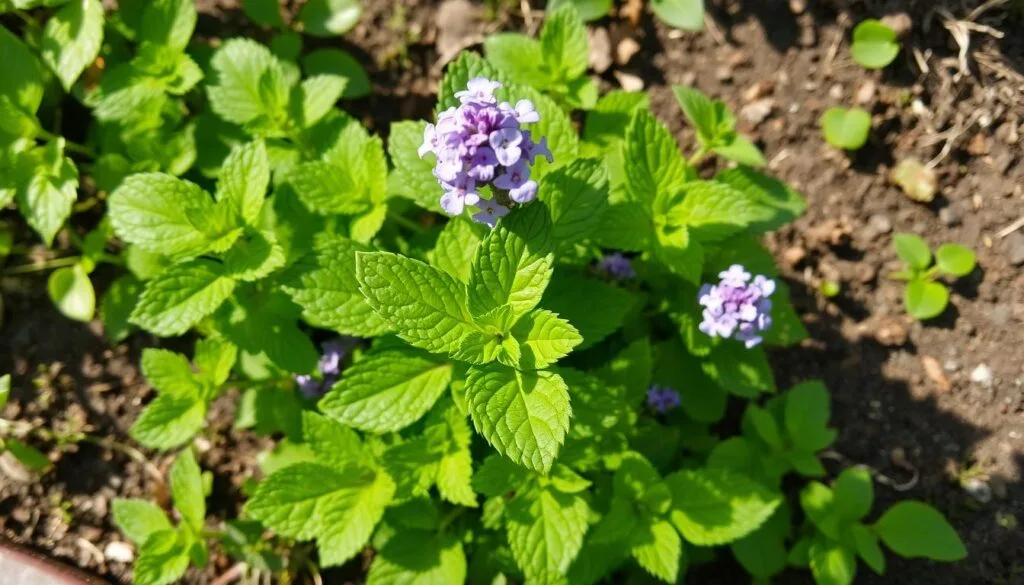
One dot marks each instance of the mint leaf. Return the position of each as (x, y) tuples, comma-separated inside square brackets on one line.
[(831, 562), (425, 306), (456, 247), (244, 178), (738, 370), (714, 211), (554, 124), (418, 557), (684, 14), (653, 165), (338, 62), (412, 177), (117, 305), (544, 339), (519, 57), (254, 256), (588, 9), (187, 489), (658, 549), (513, 263), (215, 357), (325, 18), (717, 506), (703, 112), (497, 476), (47, 199), (524, 415), (248, 83), (563, 42), (163, 558), (387, 391), (316, 96), (264, 12), (139, 519), (854, 493), (626, 225), (324, 284), (457, 75), (915, 530), (455, 469), (766, 191), (605, 125), (162, 214), (327, 189), (169, 421), (545, 531), (807, 414), (169, 23), (72, 38), (595, 309), (867, 548), (740, 149), (577, 196), (332, 443), (72, 293), (177, 300), (264, 322), (337, 507), (22, 81), (169, 373)]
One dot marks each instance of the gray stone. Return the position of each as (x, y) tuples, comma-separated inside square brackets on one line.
[(950, 216), (1015, 248)]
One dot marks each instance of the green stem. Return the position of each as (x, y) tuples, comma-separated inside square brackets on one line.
[(68, 145), (27, 18), (451, 517), (697, 157), (406, 222), (55, 263)]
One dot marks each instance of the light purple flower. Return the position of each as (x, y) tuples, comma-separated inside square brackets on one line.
[(329, 367), (490, 212), (309, 386), (662, 399), (481, 143), (737, 307), (617, 266)]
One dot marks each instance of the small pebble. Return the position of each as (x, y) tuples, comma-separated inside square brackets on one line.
[(866, 92), (628, 81), (880, 223), (949, 216), (1001, 315), (982, 375), (757, 111), (600, 49), (900, 23), (979, 490), (119, 552), (1014, 244), (723, 73), (625, 50)]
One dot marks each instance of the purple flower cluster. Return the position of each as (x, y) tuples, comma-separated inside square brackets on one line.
[(334, 351), (482, 143), (737, 306), (617, 266), (662, 399)]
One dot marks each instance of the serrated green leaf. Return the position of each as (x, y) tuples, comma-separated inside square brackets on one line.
[(254, 256), (924, 299), (425, 306), (316, 96), (685, 14), (544, 338), (324, 284), (867, 547), (186, 481), (524, 415), (162, 214), (456, 247), (738, 370), (417, 557), (325, 18), (266, 322), (832, 563), (72, 38), (653, 165), (626, 225), (387, 391), (215, 357), (169, 23), (701, 111), (177, 300), (248, 83), (605, 125), (331, 442), (139, 519), (576, 196), (874, 44), (455, 469), (22, 82), (846, 128), (72, 292), (588, 9), (554, 124), (853, 493), (658, 549), (46, 201), (244, 178), (916, 530), (768, 192), (807, 415), (740, 149), (545, 532), (163, 558), (498, 476), (327, 189), (117, 305), (594, 308), (412, 177), (169, 421), (338, 62), (714, 211), (337, 507), (716, 506), (513, 263), (169, 373), (563, 42), (519, 57)]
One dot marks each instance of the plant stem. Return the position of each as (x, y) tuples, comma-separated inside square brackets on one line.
[(68, 145), (27, 18), (406, 222), (55, 263), (451, 517), (697, 157)]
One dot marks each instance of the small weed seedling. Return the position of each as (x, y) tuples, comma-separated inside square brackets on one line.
[(11, 430), (874, 44), (924, 297), (846, 128)]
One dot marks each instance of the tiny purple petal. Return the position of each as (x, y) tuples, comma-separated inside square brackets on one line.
[(490, 212), (737, 307), (526, 113), (525, 193)]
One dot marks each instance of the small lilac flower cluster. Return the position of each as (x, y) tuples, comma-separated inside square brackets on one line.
[(333, 351), (481, 143), (617, 266), (737, 307), (662, 399)]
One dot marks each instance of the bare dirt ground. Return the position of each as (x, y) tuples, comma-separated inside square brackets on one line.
[(938, 409)]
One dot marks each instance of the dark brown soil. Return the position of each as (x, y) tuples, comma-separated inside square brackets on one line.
[(893, 413)]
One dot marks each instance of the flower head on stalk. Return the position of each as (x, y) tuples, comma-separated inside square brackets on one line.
[(662, 399), (481, 143), (617, 266), (737, 306), (329, 366)]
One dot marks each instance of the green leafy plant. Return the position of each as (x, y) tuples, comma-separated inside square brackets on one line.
[(874, 44), (12, 435), (716, 128), (588, 9), (923, 297), (846, 128), (685, 14)]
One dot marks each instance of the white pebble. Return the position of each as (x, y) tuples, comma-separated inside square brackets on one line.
[(119, 552), (982, 375)]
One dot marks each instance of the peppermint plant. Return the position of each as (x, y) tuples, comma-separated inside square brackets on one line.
[(924, 297)]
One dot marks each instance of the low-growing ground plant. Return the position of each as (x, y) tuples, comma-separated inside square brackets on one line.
[(874, 44), (846, 128), (505, 348), (924, 297)]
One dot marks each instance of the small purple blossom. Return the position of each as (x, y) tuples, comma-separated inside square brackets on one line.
[(481, 143), (617, 266), (329, 366), (737, 306), (662, 399)]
